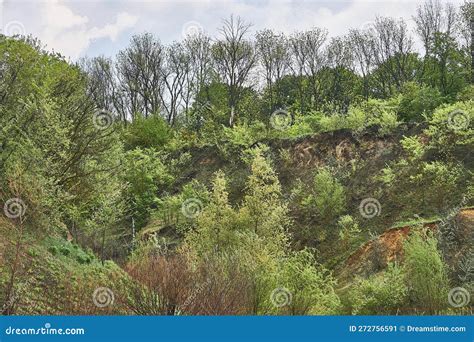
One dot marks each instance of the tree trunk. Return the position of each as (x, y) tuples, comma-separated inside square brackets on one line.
[(232, 116)]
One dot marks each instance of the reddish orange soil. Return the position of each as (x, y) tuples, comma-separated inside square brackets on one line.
[(388, 246)]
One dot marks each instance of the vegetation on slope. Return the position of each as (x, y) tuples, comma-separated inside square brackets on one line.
[(122, 194)]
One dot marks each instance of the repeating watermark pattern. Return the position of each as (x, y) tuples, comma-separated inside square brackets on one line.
[(453, 212), (281, 297), (102, 119), (204, 108), (192, 29), (281, 119), (14, 28), (367, 25), (358, 133), (14, 208), (370, 207), (191, 208), (198, 290), (16, 295), (459, 297), (458, 120), (102, 297)]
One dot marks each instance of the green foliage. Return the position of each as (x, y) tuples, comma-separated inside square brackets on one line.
[(263, 211), (349, 232), (151, 132), (144, 173), (217, 224), (418, 102), (311, 286), (439, 183), (49, 136), (118, 186), (381, 294), (242, 136), (358, 118), (452, 126), (327, 199), (425, 273)]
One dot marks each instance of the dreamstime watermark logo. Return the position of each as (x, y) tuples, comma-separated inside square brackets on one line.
[(281, 297), (191, 208), (102, 297), (192, 29), (14, 208), (459, 297), (281, 119), (458, 120), (203, 110), (16, 295), (370, 207), (453, 212), (367, 25), (199, 289), (14, 28), (102, 119)]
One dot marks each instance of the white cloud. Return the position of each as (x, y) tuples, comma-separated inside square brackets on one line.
[(123, 22), (71, 34), (71, 27)]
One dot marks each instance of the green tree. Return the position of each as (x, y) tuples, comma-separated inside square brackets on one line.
[(327, 199)]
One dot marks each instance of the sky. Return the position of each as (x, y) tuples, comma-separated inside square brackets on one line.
[(77, 28)]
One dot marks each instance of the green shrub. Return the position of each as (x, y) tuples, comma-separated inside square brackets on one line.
[(244, 135), (65, 250), (425, 273), (151, 132), (418, 102), (381, 294), (452, 126), (310, 286), (83, 259), (327, 199), (349, 232), (53, 250), (145, 172)]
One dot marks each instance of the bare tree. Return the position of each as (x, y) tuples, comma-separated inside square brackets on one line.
[(274, 56), (339, 59), (175, 73), (309, 58), (234, 58), (139, 71), (361, 43), (102, 83), (431, 18), (199, 49), (392, 46)]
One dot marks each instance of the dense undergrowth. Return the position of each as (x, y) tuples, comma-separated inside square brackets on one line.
[(142, 215)]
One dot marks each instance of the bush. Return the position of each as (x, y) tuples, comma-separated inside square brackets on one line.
[(310, 286), (65, 250), (151, 132), (244, 135), (451, 126), (327, 198), (53, 250), (418, 102), (349, 232), (425, 273), (421, 186), (161, 284), (381, 294)]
